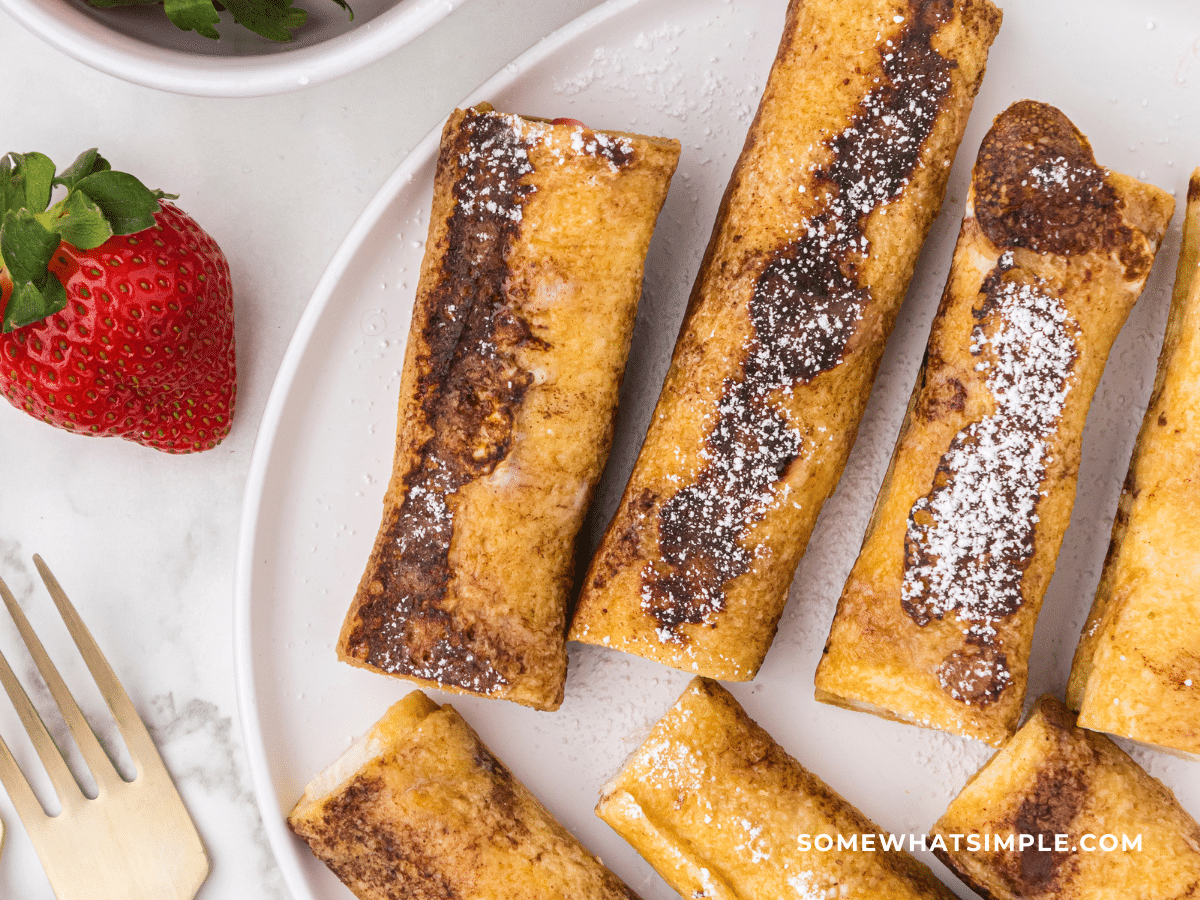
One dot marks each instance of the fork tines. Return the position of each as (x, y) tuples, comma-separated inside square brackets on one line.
[(135, 839)]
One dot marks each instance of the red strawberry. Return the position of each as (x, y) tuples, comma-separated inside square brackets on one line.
[(131, 338)]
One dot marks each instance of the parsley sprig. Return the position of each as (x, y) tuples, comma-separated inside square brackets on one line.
[(276, 20)]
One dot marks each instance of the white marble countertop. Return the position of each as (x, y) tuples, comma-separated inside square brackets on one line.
[(144, 542)]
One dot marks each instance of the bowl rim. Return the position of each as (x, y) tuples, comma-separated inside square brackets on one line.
[(67, 27)]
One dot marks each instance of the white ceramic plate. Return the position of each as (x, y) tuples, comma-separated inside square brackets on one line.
[(1127, 74), (141, 45)]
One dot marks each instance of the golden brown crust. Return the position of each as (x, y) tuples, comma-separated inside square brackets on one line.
[(720, 810), (419, 809), (936, 619), (812, 251), (1054, 779), (1136, 671), (520, 331)]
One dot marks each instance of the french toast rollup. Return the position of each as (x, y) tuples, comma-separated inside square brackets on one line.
[(1136, 671), (1063, 812), (842, 173), (521, 327), (418, 807), (935, 622), (722, 812)]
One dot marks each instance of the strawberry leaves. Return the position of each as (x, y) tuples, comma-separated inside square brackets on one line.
[(83, 224), (26, 246), (26, 180), (97, 204), (85, 164), (124, 203)]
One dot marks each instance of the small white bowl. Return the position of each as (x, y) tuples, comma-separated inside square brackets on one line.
[(140, 44)]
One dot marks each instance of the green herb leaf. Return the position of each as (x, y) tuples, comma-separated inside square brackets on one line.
[(8, 190), (28, 179), (30, 302), (39, 180), (128, 204), (273, 19), (26, 246), (82, 223), (194, 15), (85, 164)]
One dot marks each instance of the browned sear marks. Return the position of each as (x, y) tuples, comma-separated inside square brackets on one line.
[(945, 398), (1038, 187), (471, 387), (364, 851), (805, 309), (1048, 808), (976, 674), (625, 544)]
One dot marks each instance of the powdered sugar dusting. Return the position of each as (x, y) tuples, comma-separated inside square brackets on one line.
[(742, 465), (1062, 173), (651, 74), (807, 887), (952, 756), (969, 541), (492, 168), (470, 387), (806, 305), (614, 148)]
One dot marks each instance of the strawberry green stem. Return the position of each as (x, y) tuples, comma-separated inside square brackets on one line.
[(97, 204)]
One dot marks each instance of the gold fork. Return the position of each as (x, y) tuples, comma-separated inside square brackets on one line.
[(135, 840)]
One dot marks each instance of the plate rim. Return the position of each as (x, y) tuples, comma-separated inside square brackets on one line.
[(388, 193), (264, 443)]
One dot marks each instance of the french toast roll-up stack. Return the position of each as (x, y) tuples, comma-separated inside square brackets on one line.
[(524, 309), (418, 807), (722, 812), (1063, 812), (1137, 667), (843, 171), (935, 622)]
